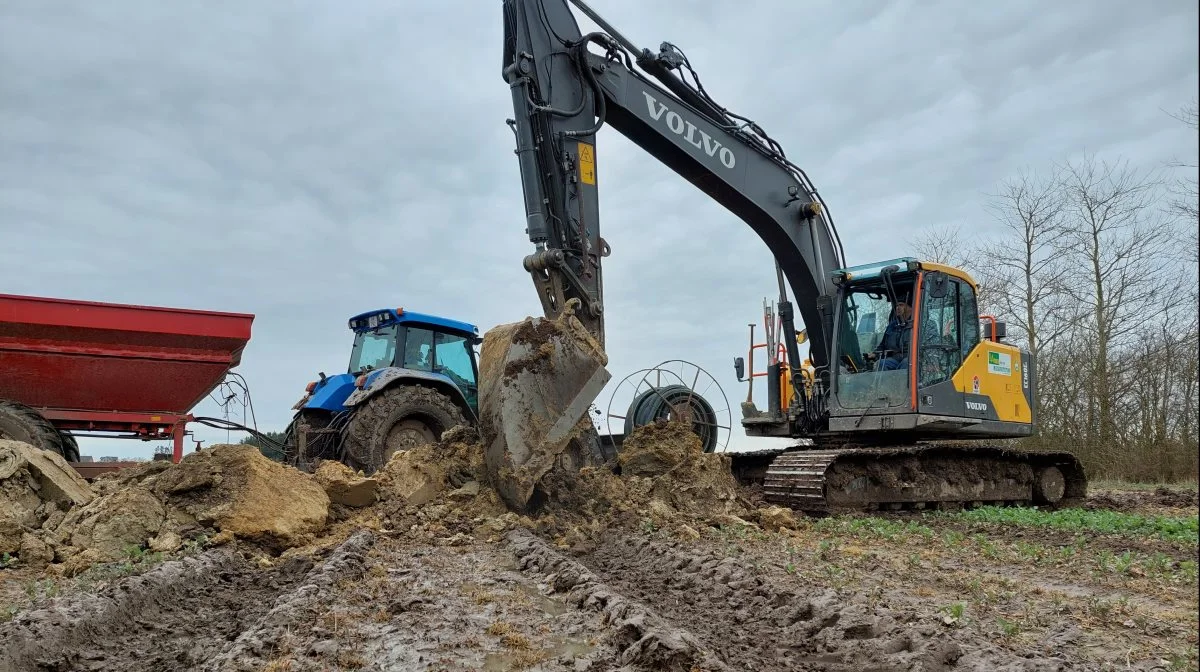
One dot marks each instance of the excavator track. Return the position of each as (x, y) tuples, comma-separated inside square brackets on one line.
[(921, 476)]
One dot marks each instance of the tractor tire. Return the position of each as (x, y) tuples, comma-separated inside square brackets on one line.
[(21, 423), (396, 419)]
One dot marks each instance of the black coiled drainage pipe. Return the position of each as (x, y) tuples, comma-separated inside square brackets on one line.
[(669, 402)]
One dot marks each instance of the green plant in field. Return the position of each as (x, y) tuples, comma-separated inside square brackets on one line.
[(194, 545), (7, 561), (1174, 528), (42, 588), (870, 527), (1187, 569), (826, 548), (954, 613), (1008, 628)]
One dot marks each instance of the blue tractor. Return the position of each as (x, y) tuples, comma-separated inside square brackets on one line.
[(411, 377)]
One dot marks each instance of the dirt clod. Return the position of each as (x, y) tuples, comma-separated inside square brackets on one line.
[(344, 486), (112, 523)]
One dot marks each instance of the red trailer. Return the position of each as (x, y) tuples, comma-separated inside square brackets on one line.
[(123, 370)]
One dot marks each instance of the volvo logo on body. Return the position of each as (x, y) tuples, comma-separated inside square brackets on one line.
[(976, 406), (688, 131)]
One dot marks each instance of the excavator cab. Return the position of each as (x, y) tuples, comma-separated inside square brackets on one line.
[(908, 354)]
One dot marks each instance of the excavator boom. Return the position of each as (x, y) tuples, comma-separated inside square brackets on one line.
[(564, 92)]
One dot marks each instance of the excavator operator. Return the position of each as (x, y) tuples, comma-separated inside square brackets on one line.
[(893, 347)]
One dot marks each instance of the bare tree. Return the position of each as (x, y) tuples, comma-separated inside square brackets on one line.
[(1185, 190), (1117, 244), (1024, 268), (945, 246)]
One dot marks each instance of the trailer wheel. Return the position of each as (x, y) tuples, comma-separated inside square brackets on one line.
[(21, 423), (70, 447), (399, 418)]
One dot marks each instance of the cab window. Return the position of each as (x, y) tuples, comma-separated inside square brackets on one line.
[(418, 349), (939, 326), (373, 349), (453, 358), (968, 318)]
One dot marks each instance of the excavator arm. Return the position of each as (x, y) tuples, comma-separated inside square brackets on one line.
[(564, 92), (539, 377)]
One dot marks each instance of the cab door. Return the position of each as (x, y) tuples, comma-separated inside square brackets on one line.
[(942, 342)]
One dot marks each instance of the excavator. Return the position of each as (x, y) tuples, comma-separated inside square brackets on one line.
[(907, 391)]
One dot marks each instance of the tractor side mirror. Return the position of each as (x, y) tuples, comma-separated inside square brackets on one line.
[(739, 365)]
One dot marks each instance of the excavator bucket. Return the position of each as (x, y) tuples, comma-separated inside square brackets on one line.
[(537, 380)]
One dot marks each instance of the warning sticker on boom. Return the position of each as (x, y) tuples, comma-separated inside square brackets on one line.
[(587, 163), (1000, 362)]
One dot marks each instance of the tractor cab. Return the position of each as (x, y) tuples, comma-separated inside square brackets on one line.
[(398, 347), (416, 342)]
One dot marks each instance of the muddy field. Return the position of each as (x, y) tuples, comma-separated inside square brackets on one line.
[(667, 567)]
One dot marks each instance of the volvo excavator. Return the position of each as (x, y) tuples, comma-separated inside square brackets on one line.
[(906, 390)]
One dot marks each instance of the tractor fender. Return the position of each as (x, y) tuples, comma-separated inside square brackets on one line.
[(328, 395), (382, 379)]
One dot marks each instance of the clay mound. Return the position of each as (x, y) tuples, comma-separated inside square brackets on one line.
[(112, 481), (655, 449), (37, 487), (418, 476), (235, 489), (230, 490)]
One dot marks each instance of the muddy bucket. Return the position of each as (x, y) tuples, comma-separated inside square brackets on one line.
[(538, 378)]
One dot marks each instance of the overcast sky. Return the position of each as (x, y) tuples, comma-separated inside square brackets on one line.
[(306, 161)]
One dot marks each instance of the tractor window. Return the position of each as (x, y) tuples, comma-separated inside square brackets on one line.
[(373, 349), (418, 349), (452, 356), (940, 350)]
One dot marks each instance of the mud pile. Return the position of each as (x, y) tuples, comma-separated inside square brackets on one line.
[(1132, 501), (37, 489), (438, 492), (49, 515), (663, 479)]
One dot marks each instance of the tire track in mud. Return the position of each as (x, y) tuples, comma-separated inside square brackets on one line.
[(750, 623), (216, 608), (643, 638)]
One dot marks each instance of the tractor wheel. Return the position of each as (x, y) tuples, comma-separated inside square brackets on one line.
[(21, 423), (396, 419)]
